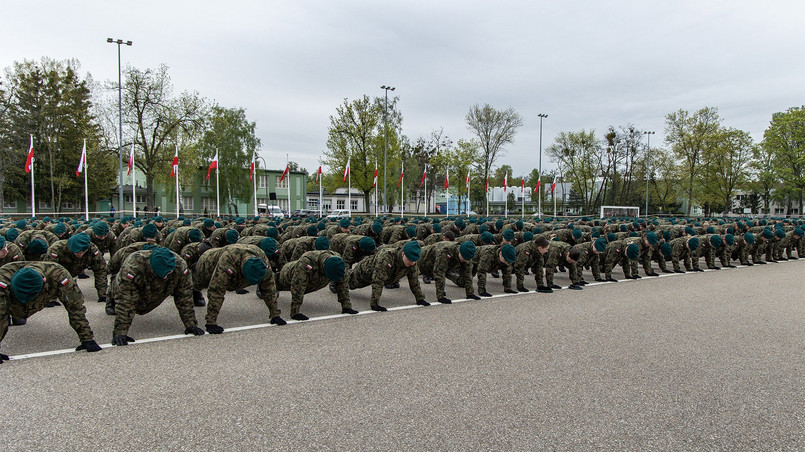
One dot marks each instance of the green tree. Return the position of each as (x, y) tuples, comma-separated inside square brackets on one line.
[(229, 134), (500, 173), (690, 136), (726, 165), (53, 103), (763, 175), (664, 184), (494, 130), (580, 155), (785, 140), (356, 134)]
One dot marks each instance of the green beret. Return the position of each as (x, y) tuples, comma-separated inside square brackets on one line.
[(60, 228), (149, 246), (269, 246), (26, 284), (624, 228), (158, 219), (218, 225), (186, 222), (711, 230), (730, 239), (528, 236), (611, 237), (750, 223), (509, 253), (21, 224), (487, 237), (632, 251), (689, 231), (499, 225), (600, 244), (666, 249), (12, 234), (537, 230), (38, 246), (666, 235), (715, 241), (482, 228), (78, 243), (208, 223), (412, 250), (231, 236), (730, 230), (508, 235), (799, 232), (334, 268), (194, 235), (150, 231), (46, 219), (410, 231), (780, 233), (322, 243), (321, 226), (459, 224), (100, 229), (312, 230), (2, 242), (519, 225), (595, 233), (749, 238), (377, 227), (467, 250), (437, 227), (254, 270), (693, 243), (272, 232), (576, 233), (240, 220), (162, 261), (652, 238), (367, 244), (344, 223), (767, 234)]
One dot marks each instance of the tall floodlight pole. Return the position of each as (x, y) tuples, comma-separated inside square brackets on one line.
[(648, 154), (119, 42), (539, 195), (386, 142)]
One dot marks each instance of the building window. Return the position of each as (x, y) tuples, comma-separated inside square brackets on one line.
[(208, 204), (262, 181), (45, 205), (327, 205), (282, 204), (281, 184), (187, 202), (353, 204), (339, 204), (69, 206), (313, 204), (9, 204)]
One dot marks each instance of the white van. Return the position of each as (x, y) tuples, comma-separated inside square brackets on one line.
[(273, 211)]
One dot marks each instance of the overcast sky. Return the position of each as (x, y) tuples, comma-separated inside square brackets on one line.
[(587, 64)]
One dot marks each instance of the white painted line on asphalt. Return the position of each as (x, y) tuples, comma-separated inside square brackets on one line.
[(334, 316)]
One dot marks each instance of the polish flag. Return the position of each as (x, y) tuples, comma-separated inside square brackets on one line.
[(447, 180), (29, 162), (374, 183), (536, 188), (285, 173), (131, 159), (346, 171), (318, 174), (175, 166), (522, 185), (402, 174), (505, 181), (82, 163), (486, 190), (251, 169), (424, 173), (553, 185), (213, 165), (467, 181)]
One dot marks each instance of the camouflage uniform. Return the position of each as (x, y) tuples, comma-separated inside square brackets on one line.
[(14, 254), (553, 258), (221, 270), (442, 258), (365, 229), (193, 251), (489, 261), (177, 239), (680, 251), (218, 237), (588, 257), (614, 254), (528, 257), (348, 246), (92, 259), (58, 284), (306, 275), (28, 235), (105, 244), (384, 267), (276, 260), (137, 289), (113, 267), (134, 236), (301, 246)]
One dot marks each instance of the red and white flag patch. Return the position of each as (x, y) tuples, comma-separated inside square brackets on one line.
[(3, 285), (229, 271), (64, 281), (54, 255), (129, 275)]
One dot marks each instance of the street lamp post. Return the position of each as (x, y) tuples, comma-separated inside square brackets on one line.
[(386, 143), (648, 154), (539, 197), (120, 42)]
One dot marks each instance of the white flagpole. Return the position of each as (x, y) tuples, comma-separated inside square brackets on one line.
[(522, 193), (376, 188), (288, 165), (426, 190), (553, 193), (506, 201), (133, 186), (321, 201), (447, 191), (486, 187), (468, 193), (402, 189), (254, 182), (217, 189), (177, 183), (349, 188), (86, 194), (33, 200)]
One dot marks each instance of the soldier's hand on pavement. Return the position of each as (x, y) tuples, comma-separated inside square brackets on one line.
[(194, 330), (278, 321), (444, 300), (214, 329), (3, 358), (510, 291), (485, 294), (422, 303), (122, 340), (90, 346), (473, 297)]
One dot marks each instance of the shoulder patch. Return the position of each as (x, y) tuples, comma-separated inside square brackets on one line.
[(187, 256), (353, 248), (388, 265), (308, 267), (229, 271), (185, 271), (129, 275), (54, 255), (96, 252), (449, 256), (64, 281), (527, 253), (3, 284)]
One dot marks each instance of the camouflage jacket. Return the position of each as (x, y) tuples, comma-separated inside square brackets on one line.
[(92, 259), (306, 275), (439, 259), (348, 246), (116, 261), (177, 239), (384, 267), (14, 254)]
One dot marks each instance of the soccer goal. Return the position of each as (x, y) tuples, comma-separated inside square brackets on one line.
[(620, 211)]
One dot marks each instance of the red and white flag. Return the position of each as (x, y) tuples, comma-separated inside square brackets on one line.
[(213, 165), (131, 159), (29, 162), (536, 187), (467, 181), (447, 179), (402, 174), (346, 171), (553, 185), (505, 181), (486, 190), (522, 186), (285, 173), (424, 174), (374, 182), (251, 168), (175, 166), (318, 174), (82, 162)]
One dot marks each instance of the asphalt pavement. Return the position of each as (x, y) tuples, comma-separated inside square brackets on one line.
[(712, 361)]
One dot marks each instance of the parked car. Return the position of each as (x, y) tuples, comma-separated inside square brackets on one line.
[(304, 213), (339, 213), (273, 211)]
